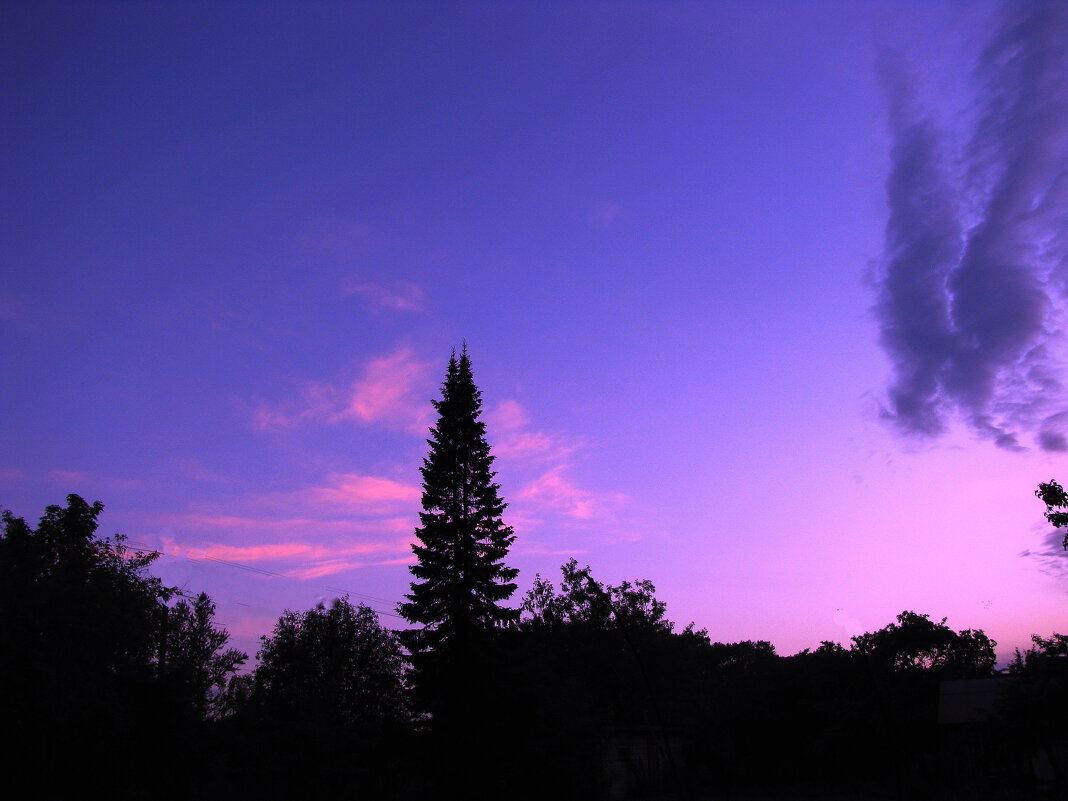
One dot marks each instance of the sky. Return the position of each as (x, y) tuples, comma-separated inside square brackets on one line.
[(765, 299)]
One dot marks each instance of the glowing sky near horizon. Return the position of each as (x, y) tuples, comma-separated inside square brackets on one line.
[(763, 298)]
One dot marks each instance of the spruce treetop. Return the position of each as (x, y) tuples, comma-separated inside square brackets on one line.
[(460, 576)]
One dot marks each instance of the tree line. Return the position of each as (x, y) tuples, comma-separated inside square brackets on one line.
[(114, 681)]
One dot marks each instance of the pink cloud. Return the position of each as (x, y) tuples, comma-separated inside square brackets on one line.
[(260, 552), (69, 476), (508, 415), (554, 489), (349, 489), (243, 553), (550, 490), (318, 403), (327, 568), (200, 522), (387, 391), (527, 445), (301, 560), (399, 296), (507, 426), (344, 505), (392, 390), (333, 566)]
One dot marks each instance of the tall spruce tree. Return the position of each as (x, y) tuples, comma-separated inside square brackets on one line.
[(461, 579)]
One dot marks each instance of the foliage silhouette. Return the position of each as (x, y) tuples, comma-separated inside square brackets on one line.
[(594, 668), (88, 665), (191, 656), (1054, 496), (582, 601), (325, 711), (332, 664), (101, 658), (915, 643), (1034, 704)]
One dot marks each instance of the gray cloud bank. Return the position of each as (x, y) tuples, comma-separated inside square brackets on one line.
[(975, 269)]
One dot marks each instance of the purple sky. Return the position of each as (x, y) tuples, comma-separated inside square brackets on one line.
[(764, 298)]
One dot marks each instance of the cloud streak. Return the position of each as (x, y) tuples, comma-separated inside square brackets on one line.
[(387, 392), (397, 296), (975, 268), (508, 424), (544, 460), (391, 391), (556, 490), (301, 560), (347, 521), (1050, 556)]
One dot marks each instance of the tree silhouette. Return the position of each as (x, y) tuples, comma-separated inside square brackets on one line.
[(1055, 497), (581, 600), (191, 659), (88, 664), (75, 611), (335, 664), (460, 584), (462, 578), (916, 643)]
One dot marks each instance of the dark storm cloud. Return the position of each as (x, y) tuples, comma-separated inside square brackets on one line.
[(965, 316), (923, 242)]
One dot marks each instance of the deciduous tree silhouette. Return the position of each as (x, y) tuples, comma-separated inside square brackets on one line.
[(325, 712), (191, 656), (332, 665), (1055, 497), (88, 668), (916, 643), (583, 601)]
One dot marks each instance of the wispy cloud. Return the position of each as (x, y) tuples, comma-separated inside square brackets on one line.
[(75, 479), (544, 460), (391, 390), (1050, 555), (263, 525), (331, 567), (508, 427), (976, 264), (556, 490), (507, 416), (69, 477), (388, 391), (345, 522), (350, 490), (317, 403), (301, 560), (272, 551), (397, 296)]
